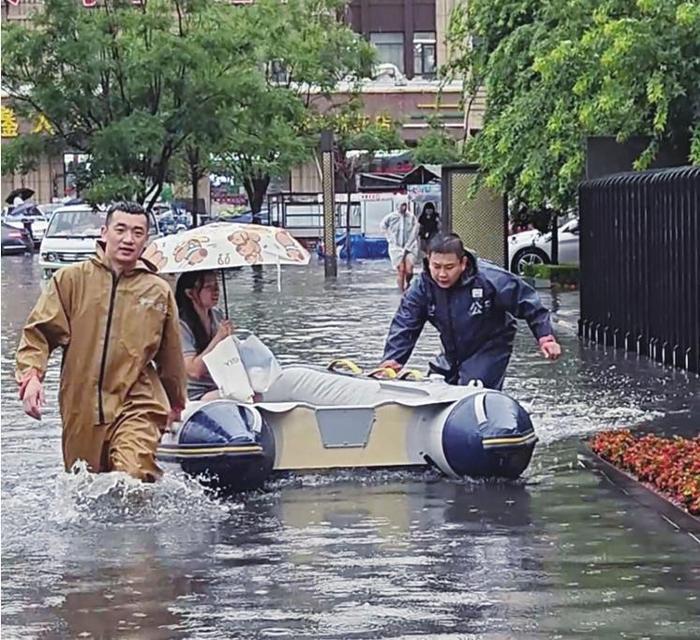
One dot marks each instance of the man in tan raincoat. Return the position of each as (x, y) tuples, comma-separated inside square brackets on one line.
[(123, 376)]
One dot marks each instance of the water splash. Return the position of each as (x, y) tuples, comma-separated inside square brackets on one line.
[(117, 499)]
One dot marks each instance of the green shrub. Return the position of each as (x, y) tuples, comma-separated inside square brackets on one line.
[(563, 274)]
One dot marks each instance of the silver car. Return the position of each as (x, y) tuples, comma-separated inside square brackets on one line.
[(533, 247)]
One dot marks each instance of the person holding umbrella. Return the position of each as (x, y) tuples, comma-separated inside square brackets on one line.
[(18, 197), (198, 255), (202, 327)]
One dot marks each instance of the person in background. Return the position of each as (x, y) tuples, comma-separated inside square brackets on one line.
[(473, 304), (401, 231), (122, 376), (202, 327), (429, 222)]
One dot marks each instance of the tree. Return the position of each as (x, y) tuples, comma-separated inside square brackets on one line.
[(192, 164), (357, 139), (303, 50), (197, 157), (266, 140), (127, 85), (437, 146), (557, 71)]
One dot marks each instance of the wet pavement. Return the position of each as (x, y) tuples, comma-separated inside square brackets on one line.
[(559, 554)]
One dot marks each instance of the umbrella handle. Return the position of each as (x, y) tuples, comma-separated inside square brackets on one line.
[(223, 280)]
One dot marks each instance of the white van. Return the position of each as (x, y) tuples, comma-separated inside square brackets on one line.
[(71, 236)]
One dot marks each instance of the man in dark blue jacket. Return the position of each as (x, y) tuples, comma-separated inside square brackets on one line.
[(473, 304)]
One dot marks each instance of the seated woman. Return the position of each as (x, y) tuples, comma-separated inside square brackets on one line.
[(202, 327)]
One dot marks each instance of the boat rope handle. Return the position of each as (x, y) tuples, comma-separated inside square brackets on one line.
[(345, 362), (382, 372), (410, 374)]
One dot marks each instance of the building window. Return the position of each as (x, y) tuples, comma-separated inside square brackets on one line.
[(389, 48), (424, 58)]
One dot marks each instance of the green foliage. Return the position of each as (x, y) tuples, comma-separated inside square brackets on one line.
[(437, 146), (265, 139), (358, 138), (21, 154), (306, 39), (562, 274), (277, 122), (126, 85), (556, 71), (170, 86)]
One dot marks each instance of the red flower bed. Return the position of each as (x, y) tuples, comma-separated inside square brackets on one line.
[(669, 465)]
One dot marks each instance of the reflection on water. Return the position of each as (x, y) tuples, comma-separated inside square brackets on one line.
[(344, 555)]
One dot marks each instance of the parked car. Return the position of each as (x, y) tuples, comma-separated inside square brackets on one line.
[(533, 247), (48, 208), (173, 221), (71, 236), (28, 214), (14, 241), (246, 216)]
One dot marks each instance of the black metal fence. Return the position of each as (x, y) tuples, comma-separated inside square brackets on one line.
[(640, 264)]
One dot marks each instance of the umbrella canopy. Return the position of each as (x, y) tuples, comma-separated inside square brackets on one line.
[(223, 245), (24, 193), (25, 209)]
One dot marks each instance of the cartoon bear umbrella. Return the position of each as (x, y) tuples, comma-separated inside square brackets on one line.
[(225, 245)]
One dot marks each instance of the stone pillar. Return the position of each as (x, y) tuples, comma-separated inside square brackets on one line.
[(443, 10)]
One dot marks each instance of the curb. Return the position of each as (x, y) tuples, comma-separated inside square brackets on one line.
[(676, 516)]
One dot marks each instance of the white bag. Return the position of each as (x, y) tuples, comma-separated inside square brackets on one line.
[(260, 363), (228, 371)]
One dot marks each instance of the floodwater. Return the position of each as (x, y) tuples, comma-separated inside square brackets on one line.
[(558, 554)]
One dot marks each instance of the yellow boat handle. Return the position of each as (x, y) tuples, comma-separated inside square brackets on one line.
[(410, 374), (383, 372), (344, 362)]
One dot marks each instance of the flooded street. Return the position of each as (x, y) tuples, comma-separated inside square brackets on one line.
[(558, 554)]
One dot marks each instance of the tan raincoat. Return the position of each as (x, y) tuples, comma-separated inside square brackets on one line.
[(122, 361)]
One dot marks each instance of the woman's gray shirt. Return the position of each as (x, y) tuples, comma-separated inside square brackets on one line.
[(197, 387)]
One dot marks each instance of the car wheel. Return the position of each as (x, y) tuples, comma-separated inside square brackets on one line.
[(530, 255)]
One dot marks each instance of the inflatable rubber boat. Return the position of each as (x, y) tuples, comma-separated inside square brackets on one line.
[(314, 419)]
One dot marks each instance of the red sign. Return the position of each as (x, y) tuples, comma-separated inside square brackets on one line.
[(224, 198)]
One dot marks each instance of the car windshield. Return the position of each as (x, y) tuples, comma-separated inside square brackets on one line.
[(81, 224)]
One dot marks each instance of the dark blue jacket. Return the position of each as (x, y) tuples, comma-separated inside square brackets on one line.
[(479, 309)]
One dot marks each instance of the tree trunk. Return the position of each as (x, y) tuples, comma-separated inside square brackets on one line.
[(193, 160), (256, 188), (195, 194), (152, 195)]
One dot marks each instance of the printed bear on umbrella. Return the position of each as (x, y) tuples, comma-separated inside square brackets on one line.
[(191, 251)]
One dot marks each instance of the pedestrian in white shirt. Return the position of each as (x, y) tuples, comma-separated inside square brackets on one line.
[(401, 231)]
